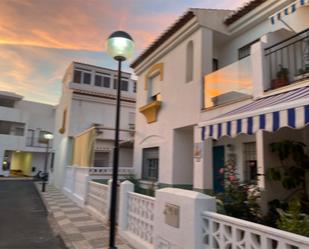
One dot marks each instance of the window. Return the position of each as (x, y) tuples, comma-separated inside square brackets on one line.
[(189, 61), (80, 76), (12, 128), (151, 164), (124, 85), (101, 159), (215, 64), (77, 76), (250, 162), (30, 137), (106, 82), (7, 102), (154, 88), (98, 80), (87, 78), (42, 139), (102, 80), (245, 50), (134, 87)]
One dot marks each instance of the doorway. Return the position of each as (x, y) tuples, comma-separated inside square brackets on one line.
[(218, 163)]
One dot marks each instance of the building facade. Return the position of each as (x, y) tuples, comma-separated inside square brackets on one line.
[(209, 63), (85, 119), (22, 128)]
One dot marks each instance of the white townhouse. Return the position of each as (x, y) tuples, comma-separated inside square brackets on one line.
[(221, 85), (85, 121), (22, 127)]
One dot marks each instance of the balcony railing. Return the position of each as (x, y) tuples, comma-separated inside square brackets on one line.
[(228, 84), (289, 60), (34, 142)]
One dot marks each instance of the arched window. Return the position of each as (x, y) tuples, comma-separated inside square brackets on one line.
[(189, 62)]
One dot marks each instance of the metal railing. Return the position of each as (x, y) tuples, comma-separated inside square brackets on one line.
[(288, 60), (32, 141)]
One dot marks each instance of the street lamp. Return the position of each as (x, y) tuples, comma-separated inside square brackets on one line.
[(120, 46), (47, 137)]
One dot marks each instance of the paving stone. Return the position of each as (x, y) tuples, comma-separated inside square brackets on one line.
[(80, 230)]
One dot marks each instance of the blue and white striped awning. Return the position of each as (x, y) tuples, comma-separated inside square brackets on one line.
[(288, 10), (288, 109)]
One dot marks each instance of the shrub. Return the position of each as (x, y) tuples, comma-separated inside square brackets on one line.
[(239, 200), (293, 220)]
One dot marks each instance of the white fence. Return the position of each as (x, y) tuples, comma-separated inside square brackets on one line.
[(136, 217), (97, 200), (75, 184), (141, 216), (222, 231), (76, 180), (181, 219)]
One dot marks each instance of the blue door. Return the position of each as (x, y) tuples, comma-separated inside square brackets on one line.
[(218, 163)]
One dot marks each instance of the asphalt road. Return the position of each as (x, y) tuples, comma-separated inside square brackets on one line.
[(23, 218)]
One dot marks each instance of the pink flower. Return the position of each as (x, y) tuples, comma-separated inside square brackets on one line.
[(221, 171), (232, 178)]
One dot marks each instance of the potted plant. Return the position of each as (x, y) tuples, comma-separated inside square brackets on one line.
[(302, 73), (282, 78)]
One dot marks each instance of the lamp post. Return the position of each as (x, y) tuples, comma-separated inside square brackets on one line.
[(47, 137), (120, 46)]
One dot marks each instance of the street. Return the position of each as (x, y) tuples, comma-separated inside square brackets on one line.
[(23, 218)]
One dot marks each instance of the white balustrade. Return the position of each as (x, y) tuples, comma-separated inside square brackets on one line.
[(222, 231), (109, 171), (141, 216), (98, 199)]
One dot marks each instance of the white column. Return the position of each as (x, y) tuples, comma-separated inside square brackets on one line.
[(178, 219), (260, 158), (260, 69), (203, 165), (125, 188)]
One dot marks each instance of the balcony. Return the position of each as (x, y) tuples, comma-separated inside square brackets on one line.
[(288, 60), (229, 84), (11, 114), (35, 142)]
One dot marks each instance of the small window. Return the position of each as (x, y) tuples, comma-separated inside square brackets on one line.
[(245, 51), (101, 159), (250, 161), (215, 64), (151, 164), (77, 76), (98, 80), (106, 82), (189, 61), (134, 87), (154, 88), (87, 78), (124, 85)]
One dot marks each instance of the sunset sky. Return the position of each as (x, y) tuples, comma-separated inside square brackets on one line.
[(39, 38)]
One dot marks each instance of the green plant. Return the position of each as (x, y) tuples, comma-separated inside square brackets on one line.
[(283, 73), (272, 215), (293, 164), (150, 191), (303, 70), (239, 200), (293, 220)]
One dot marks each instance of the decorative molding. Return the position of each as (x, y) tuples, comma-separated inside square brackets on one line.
[(155, 68), (150, 111)]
